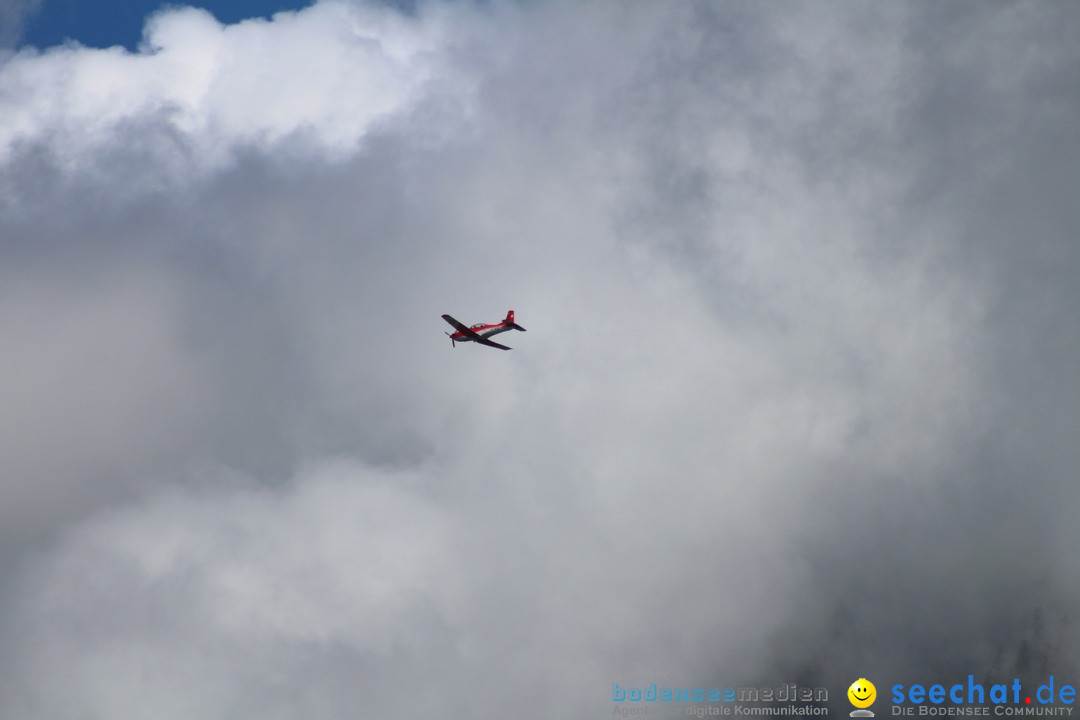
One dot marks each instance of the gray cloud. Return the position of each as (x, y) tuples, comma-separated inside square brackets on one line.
[(796, 403), (13, 15)]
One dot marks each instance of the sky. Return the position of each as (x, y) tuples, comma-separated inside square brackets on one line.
[(797, 402), (46, 23)]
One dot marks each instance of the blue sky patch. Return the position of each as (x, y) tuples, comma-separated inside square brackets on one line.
[(120, 22)]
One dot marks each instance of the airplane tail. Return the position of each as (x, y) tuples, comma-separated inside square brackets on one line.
[(510, 321)]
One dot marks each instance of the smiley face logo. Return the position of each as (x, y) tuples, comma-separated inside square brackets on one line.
[(862, 693)]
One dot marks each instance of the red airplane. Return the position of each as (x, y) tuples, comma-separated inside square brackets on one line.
[(480, 332)]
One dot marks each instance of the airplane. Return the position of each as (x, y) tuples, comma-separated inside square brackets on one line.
[(480, 332)]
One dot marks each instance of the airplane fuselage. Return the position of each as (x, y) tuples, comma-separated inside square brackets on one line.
[(484, 331)]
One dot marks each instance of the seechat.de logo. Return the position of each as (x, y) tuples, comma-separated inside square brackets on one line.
[(862, 695)]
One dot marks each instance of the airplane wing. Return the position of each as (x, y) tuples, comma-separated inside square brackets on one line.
[(489, 343), (469, 332)]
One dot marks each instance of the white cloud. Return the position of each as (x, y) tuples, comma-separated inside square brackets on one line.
[(327, 74), (771, 362)]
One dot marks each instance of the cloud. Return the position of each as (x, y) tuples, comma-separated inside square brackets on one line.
[(794, 403), (13, 15), (198, 90)]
